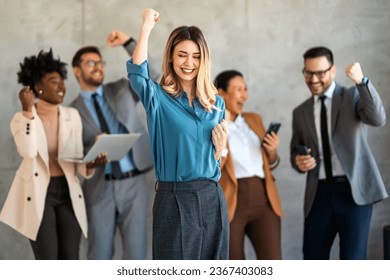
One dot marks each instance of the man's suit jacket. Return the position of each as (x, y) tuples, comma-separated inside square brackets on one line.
[(228, 179), (352, 110), (123, 103), (25, 203)]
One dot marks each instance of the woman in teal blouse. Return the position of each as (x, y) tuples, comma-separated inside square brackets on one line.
[(187, 134)]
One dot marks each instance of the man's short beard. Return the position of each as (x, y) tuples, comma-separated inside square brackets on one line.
[(93, 82)]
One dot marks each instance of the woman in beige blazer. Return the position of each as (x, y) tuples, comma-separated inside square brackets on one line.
[(45, 202), (249, 186)]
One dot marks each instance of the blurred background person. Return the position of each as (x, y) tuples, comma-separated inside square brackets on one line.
[(117, 197), (45, 202), (343, 180), (249, 186)]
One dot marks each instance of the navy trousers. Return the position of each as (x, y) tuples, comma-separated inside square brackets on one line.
[(334, 212), (190, 221)]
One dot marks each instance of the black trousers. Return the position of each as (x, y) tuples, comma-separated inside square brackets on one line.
[(59, 234)]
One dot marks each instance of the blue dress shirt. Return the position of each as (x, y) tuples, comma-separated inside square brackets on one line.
[(114, 125), (180, 135)]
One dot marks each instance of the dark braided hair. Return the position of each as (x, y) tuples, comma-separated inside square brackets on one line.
[(34, 68)]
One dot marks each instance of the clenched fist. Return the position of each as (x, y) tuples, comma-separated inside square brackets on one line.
[(26, 97), (354, 72)]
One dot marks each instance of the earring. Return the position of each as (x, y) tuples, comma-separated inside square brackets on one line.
[(40, 91)]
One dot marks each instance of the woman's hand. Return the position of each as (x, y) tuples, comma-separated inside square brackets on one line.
[(150, 17), (271, 142), (219, 136), (26, 97), (99, 161)]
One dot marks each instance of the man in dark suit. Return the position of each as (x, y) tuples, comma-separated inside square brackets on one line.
[(343, 180), (116, 197)]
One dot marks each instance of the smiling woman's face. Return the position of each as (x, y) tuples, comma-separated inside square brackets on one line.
[(52, 87), (235, 95), (186, 60)]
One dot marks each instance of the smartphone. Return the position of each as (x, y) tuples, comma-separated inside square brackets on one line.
[(274, 126), (302, 150)]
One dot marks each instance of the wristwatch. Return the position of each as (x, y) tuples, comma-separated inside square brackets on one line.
[(364, 81)]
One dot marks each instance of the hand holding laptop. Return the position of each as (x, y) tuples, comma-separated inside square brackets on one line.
[(99, 161)]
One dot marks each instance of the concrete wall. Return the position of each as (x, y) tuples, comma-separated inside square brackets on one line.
[(265, 39)]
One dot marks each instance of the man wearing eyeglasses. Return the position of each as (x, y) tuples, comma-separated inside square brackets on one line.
[(117, 197), (343, 181)]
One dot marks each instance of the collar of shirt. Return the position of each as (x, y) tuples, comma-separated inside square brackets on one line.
[(87, 95), (328, 93), (239, 121)]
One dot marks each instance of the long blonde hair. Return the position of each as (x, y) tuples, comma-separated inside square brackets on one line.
[(205, 89)]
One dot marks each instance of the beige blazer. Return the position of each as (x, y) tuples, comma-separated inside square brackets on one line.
[(23, 208), (228, 179)]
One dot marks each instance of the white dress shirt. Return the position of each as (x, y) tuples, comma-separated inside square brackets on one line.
[(245, 150)]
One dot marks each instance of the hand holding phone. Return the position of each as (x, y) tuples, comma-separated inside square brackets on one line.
[(302, 150), (304, 161), (273, 127)]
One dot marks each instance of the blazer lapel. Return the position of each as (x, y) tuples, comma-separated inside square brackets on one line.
[(42, 141), (308, 118), (336, 103), (85, 115), (252, 124), (112, 94)]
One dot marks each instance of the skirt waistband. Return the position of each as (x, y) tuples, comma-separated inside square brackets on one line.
[(185, 186)]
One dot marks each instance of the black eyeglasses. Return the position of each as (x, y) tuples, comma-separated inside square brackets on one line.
[(319, 74), (93, 63)]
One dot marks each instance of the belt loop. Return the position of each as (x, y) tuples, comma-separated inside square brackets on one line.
[(174, 187), (156, 185)]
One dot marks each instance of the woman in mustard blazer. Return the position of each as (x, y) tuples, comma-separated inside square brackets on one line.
[(45, 202), (253, 201)]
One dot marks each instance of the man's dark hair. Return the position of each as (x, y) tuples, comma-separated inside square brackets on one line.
[(223, 78), (317, 52), (88, 49), (35, 67)]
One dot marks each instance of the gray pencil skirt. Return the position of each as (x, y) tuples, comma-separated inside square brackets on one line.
[(190, 221)]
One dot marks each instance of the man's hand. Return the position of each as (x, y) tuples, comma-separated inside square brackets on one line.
[(117, 38), (354, 72), (99, 161), (305, 162)]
